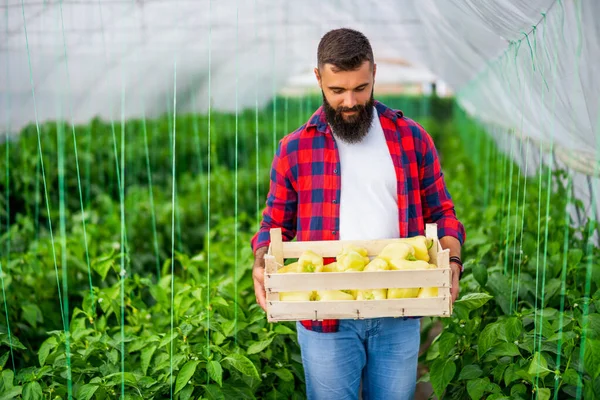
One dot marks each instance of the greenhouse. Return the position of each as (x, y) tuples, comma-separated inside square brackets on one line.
[(195, 199)]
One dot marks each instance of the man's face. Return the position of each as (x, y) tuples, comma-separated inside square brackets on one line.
[(348, 100)]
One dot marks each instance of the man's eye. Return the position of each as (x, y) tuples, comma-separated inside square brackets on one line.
[(338, 91), (360, 89)]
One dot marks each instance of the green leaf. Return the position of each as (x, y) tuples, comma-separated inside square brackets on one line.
[(510, 375), (480, 273), (575, 256), (146, 357), (472, 371), (538, 365), (86, 392), (591, 357), (498, 371), (8, 376), (571, 377), (12, 393), (477, 387), (500, 287), (103, 265), (543, 394), (551, 288), (447, 341), (488, 337), (186, 373), (213, 392), (186, 393), (284, 330), (257, 347), (242, 364), (512, 329), (596, 387), (32, 391), (113, 356), (473, 301), (31, 314), (4, 359), (592, 328), (519, 388), (48, 345), (215, 372), (284, 374), (441, 374), (506, 349), (12, 341)]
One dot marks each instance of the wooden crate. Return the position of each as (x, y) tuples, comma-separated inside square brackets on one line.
[(279, 251)]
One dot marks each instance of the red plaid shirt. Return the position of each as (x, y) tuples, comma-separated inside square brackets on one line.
[(303, 198)]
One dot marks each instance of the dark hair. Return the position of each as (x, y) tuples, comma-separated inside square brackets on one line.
[(345, 48)]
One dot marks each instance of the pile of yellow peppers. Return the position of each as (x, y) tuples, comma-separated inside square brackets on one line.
[(411, 253)]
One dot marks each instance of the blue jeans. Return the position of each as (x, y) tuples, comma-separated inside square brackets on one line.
[(382, 352)]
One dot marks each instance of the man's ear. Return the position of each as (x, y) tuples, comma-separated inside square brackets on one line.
[(374, 71), (318, 76)]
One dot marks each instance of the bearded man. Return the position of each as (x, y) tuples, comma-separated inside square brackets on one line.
[(357, 170)]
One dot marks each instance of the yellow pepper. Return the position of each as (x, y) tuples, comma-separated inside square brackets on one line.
[(421, 244), (296, 296), (400, 293), (378, 264), (372, 294), (352, 259), (293, 267), (327, 295), (428, 292), (293, 296), (407, 264), (397, 251), (331, 267), (309, 261)]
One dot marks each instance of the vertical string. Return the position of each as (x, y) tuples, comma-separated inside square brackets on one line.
[(563, 277), (151, 195), (7, 196), (173, 205), (256, 128), (208, 257), (235, 245), (123, 272)]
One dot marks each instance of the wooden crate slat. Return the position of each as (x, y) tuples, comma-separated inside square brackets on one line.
[(355, 309), (358, 280), (331, 248)]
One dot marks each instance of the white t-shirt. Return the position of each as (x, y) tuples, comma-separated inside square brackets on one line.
[(369, 200)]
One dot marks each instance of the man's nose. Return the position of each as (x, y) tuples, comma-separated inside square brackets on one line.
[(349, 99)]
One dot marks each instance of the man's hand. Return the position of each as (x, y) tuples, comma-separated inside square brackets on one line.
[(258, 275), (455, 283)]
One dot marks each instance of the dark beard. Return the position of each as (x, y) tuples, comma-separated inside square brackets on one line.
[(356, 127)]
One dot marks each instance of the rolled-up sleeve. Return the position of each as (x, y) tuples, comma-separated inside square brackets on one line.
[(438, 206), (282, 202)]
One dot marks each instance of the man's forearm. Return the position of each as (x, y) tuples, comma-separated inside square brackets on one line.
[(259, 257), (451, 243)]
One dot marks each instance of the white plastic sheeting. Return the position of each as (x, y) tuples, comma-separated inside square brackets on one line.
[(523, 65)]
